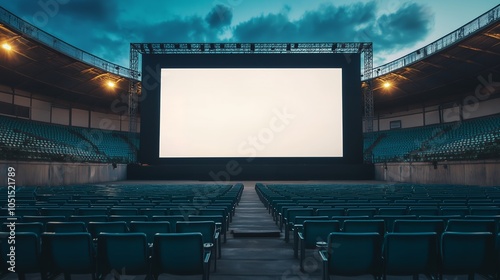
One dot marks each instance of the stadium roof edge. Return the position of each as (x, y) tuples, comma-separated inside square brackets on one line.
[(474, 26), (42, 37)]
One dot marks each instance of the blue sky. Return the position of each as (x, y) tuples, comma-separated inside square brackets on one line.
[(106, 27)]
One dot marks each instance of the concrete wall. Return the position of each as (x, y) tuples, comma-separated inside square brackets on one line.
[(432, 115), (57, 173), (484, 173), (64, 114)]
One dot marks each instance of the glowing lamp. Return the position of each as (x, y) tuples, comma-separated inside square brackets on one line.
[(6, 46)]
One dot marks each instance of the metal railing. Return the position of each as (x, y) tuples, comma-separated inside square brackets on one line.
[(458, 35), (34, 33)]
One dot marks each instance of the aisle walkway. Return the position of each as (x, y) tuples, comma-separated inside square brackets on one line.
[(262, 258)]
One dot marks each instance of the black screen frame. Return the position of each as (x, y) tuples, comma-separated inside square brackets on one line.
[(351, 99)]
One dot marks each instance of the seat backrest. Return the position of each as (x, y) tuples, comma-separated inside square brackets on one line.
[(484, 211), (392, 211), (389, 220), (213, 211), (27, 211), (206, 228), (58, 211), (467, 252), (95, 228), (318, 230), (178, 253), (330, 212), (93, 211), (183, 211), (44, 219), (27, 253), (352, 254), (122, 253), (219, 220), (410, 253), (70, 253), (461, 211), (293, 212), (300, 219), (127, 218), (35, 227), (123, 211), (88, 218), (65, 227), (436, 226), (470, 225), (418, 211), (362, 211), (172, 219), (150, 212), (372, 225), (150, 228)]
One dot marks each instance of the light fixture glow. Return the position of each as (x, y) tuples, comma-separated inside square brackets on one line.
[(111, 84), (6, 46), (387, 85)]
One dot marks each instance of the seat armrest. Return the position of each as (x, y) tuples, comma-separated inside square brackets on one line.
[(323, 256), (301, 235), (324, 260), (207, 257)]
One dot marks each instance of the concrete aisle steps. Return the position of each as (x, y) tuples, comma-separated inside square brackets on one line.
[(263, 254)]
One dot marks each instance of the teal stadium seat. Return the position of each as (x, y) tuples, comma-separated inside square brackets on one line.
[(180, 254)]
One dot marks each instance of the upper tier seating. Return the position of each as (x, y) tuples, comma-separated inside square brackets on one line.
[(29, 140), (465, 140)]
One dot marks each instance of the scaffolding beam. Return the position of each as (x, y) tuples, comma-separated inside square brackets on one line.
[(364, 48)]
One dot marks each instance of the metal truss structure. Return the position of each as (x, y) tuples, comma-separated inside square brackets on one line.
[(346, 48)]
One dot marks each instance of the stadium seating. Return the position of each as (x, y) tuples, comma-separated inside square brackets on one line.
[(28, 258), (410, 254), (122, 254), (68, 253), (465, 140), (352, 254), (180, 254), (22, 139)]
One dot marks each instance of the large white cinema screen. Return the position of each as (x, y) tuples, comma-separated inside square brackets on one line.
[(251, 113)]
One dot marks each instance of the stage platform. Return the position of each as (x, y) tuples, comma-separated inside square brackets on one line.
[(237, 171)]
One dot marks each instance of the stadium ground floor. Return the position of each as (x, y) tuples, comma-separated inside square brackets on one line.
[(260, 251), (479, 172)]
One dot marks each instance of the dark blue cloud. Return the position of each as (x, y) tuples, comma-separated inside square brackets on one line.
[(219, 16), (357, 22), (101, 27), (408, 25), (268, 28)]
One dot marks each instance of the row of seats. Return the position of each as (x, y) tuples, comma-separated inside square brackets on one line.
[(377, 193), (24, 139), (309, 230), (214, 209), (127, 195), (122, 209), (315, 212), (470, 139), (116, 222), (150, 228), (285, 201), (112, 254), (411, 254)]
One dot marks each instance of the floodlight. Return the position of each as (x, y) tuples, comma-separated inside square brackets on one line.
[(6, 46)]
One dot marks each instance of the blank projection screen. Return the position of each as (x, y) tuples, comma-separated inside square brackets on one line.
[(251, 113)]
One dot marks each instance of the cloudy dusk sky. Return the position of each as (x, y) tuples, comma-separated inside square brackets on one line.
[(106, 28)]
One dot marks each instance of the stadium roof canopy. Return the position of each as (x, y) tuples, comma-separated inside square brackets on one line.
[(447, 70), (40, 63)]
